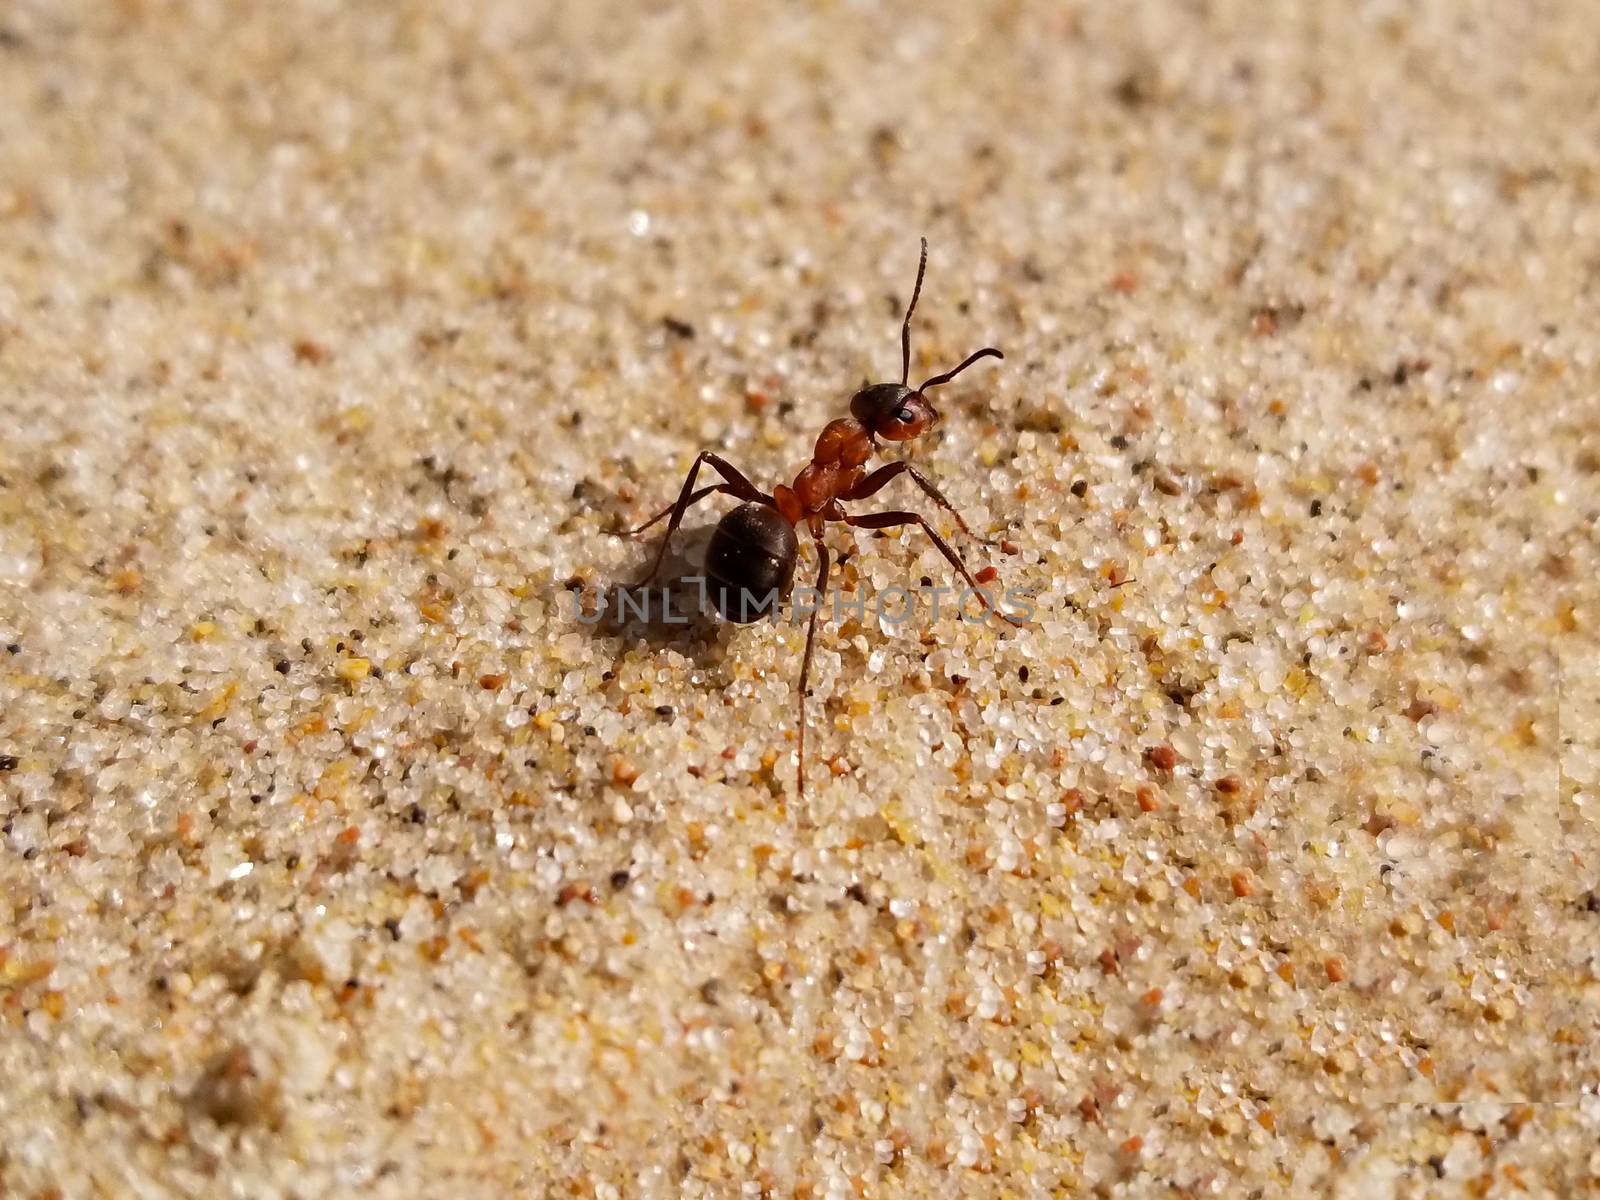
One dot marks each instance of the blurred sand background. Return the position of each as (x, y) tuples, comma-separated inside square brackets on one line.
[(338, 339)]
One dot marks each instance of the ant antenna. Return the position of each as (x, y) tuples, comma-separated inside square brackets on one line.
[(905, 329), (986, 352)]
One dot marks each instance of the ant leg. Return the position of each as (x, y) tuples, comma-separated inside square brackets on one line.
[(805, 664), (884, 475), (693, 500), (892, 520), (737, 485)]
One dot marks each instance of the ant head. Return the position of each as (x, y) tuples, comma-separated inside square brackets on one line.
[(898, 413), (893, 412)]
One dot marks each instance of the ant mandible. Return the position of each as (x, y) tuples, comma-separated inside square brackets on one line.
[(753, 550)]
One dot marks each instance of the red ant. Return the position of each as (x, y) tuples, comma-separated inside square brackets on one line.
[(752, 553)]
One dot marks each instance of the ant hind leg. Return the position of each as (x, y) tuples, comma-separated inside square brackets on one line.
[(736, 485), (693, 500)]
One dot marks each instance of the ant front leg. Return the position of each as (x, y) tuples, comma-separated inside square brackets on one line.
[(886, 474), (736, 485), (892, 520)]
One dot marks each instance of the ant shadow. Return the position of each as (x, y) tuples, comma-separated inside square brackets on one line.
[(672, 611)]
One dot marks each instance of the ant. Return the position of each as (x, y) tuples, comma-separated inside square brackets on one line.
[(752, 553)]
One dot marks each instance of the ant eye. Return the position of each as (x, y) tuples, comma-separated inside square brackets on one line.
[(905, 416)]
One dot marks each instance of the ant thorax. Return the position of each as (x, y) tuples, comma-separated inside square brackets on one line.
[(843, 447), (845, 442)]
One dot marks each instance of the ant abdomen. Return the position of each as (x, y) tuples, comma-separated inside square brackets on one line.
[(750, 562)]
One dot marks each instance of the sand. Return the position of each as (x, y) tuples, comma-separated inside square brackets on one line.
[(339, 341)]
